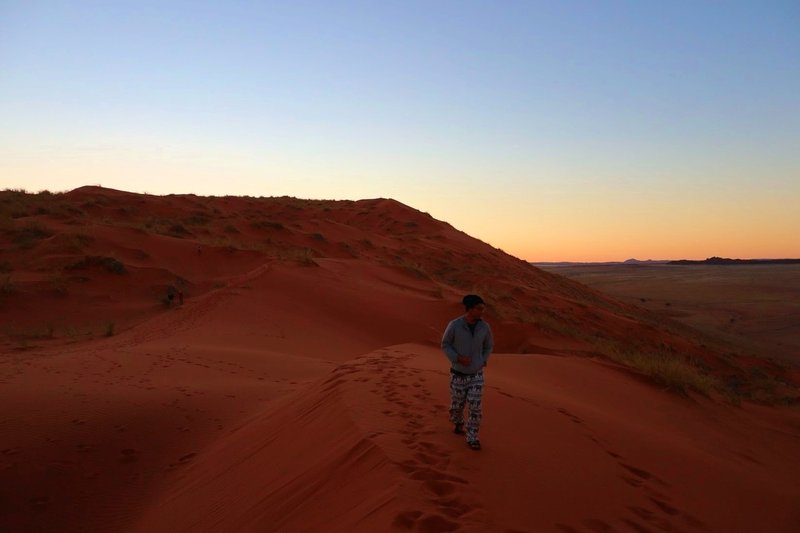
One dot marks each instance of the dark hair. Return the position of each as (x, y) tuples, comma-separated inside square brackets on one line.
[(471, 300)]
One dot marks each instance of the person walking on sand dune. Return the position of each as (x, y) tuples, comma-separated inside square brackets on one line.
[(467, 342)]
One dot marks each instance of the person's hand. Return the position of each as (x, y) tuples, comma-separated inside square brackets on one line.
[(464, 360)]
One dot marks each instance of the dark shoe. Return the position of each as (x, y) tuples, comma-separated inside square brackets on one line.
[(459, 429), (474, 444)]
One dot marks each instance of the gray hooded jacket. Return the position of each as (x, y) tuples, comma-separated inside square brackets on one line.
[(459, 340)]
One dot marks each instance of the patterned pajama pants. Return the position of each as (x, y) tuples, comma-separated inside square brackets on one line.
[(466, 390)]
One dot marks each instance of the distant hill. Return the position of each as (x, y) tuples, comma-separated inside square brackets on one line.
[(727, 261), (626, 262), (635, 262)]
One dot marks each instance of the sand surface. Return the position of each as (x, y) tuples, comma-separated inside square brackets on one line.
[(253, 409), (307, 392)]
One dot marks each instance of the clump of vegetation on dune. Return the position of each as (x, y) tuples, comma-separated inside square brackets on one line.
[(28, 235), (109, 263), (685, 374), (19, 203)]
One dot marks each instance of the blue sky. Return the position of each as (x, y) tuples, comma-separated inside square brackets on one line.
[(555, 130)]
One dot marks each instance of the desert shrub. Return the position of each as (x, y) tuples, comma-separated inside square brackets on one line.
[(267, 225), (412, 267), (348, 248), (114, 266), (663, 367), (178, 230), (42, 332), (300, 256), (28, 236), (197, 219), (760, 387), (73, 242), (109, 263), (72, 331)]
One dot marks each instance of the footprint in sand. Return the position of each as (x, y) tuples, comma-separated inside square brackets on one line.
[(40, 502), (407, 519), (188, 457), (632, 481), (128, 455), (644, 474), (83, 448), (453, 507), (569, 415), (429, 474), (425, 458), (434, 523), (664, 506)]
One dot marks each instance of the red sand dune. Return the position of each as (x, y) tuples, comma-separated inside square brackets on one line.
[(286, 397)]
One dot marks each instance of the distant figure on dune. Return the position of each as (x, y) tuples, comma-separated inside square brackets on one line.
[(467, 342)]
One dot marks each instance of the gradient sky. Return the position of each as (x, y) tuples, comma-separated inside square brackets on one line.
[(561, 130)]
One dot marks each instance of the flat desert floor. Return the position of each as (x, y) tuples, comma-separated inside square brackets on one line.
[(756, 307)]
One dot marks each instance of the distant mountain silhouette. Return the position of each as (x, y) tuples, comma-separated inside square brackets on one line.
[(727, 261), (633, 262)]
